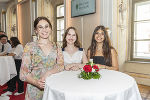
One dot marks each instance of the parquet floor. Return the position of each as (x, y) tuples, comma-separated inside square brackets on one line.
[(145, 92)]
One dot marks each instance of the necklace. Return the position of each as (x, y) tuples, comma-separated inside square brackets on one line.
[(98, 49), (44, 43)]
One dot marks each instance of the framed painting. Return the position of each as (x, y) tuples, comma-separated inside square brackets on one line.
[(82, 7)]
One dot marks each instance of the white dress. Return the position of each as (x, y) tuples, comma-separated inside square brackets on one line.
[(75, 58), (18, 51)]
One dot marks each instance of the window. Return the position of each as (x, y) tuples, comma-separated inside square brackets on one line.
[(60, 23), (141, 30)]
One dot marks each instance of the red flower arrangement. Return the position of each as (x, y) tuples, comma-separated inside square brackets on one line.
[(90, 70)]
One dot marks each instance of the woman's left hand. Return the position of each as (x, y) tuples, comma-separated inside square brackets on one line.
[(101, 66), (69, 67), (74, 68), (44, 76)]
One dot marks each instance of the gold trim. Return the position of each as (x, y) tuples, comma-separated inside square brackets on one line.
[(42, 7), (3, 12), (127, 31), (10, 22), (117, 23)]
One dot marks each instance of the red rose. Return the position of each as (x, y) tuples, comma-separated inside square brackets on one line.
[(96, 68), (87, 68)]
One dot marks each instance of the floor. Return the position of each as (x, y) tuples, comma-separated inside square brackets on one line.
[(145, 92), (12, 97)]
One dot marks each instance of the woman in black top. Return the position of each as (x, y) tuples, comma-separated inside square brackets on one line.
[(101, 51)]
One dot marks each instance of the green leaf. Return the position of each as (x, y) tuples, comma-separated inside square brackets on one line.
[(96, 75), (89, 75)]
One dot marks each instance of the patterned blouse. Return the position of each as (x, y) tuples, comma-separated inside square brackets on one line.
[(36, 63)]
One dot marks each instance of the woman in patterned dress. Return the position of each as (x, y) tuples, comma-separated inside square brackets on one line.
[(40, 59)]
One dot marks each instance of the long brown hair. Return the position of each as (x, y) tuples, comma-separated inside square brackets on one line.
[(76, 43), (36, 21), (106, 46)]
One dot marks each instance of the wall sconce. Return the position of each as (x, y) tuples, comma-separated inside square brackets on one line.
[(122, 7), (3, 12), (13, 29)]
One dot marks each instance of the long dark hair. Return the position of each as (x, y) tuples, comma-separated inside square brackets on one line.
[(76, 43), (14, 41), (106, 46)]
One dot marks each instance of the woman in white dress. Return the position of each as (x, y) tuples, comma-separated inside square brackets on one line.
[(74, 56)]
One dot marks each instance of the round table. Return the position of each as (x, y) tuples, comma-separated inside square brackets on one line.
[(7, 69), (112, 85)]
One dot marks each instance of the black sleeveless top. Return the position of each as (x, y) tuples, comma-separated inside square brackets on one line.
[(99, 60), (80, 49)]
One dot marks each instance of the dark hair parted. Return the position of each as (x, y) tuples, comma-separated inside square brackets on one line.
[(76, 43), (15, 41), (36, 21), (106, 46)]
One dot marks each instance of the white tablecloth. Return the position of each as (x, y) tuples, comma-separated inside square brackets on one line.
[(113, 85), (7, 69)]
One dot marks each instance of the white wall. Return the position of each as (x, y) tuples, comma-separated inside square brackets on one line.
[(85, 25)]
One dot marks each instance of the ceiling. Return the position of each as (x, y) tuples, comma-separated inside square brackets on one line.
[(4, 0)]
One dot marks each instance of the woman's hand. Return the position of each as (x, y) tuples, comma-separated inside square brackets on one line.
[(41, 81), (69, 66), (74, 68), (4, 54), (44, 76), (40, 84), (101, 66)]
